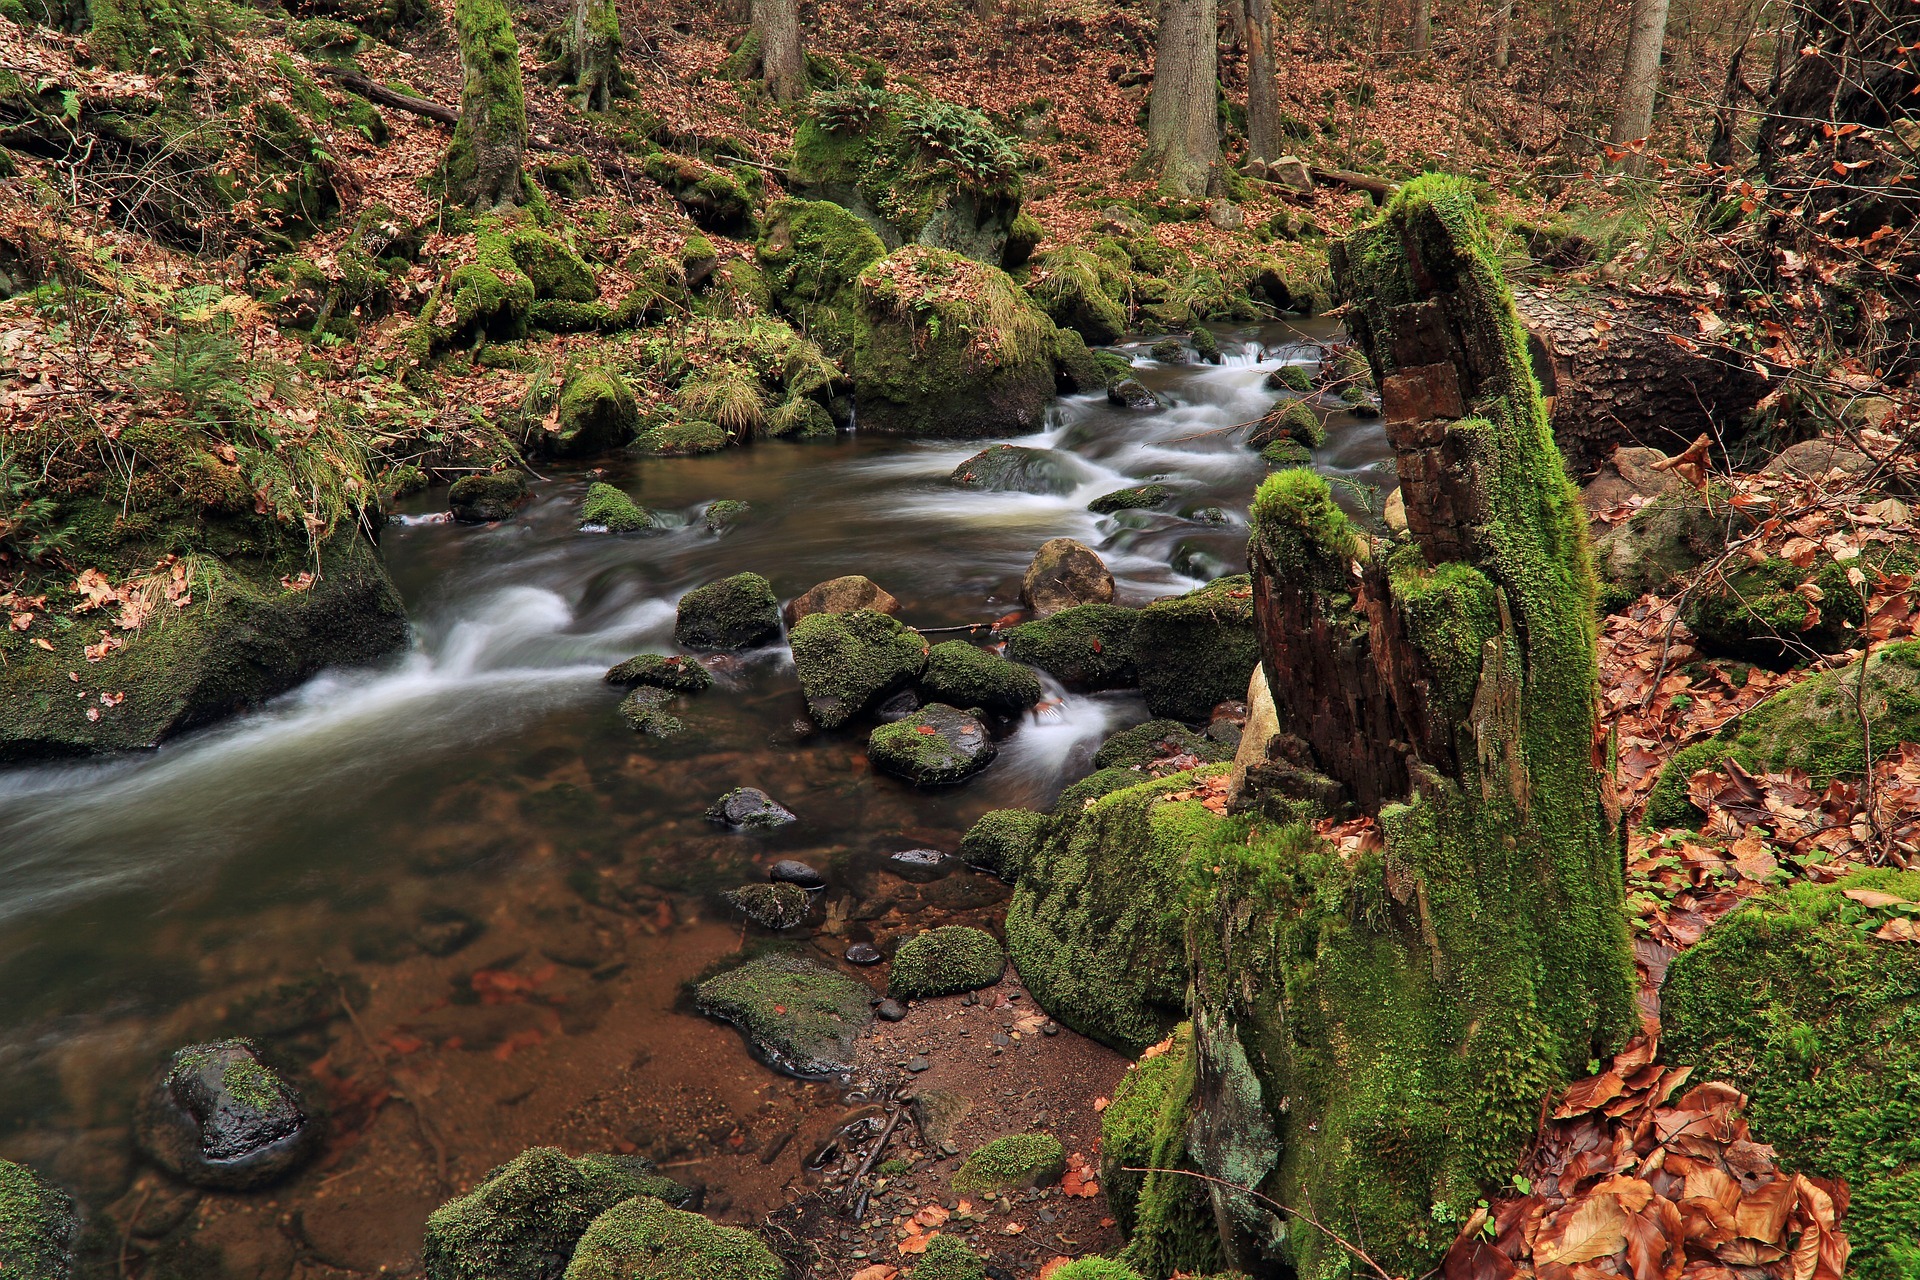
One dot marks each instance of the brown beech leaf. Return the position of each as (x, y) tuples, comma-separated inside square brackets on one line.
[(1585, 1095), (1594, 1228), (1762, 1214)]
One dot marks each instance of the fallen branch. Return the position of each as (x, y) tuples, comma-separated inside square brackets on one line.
[(428, 1130), (1378, 188), (873, 1156), (373, 91)]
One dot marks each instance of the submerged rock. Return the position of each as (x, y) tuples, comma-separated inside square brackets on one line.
[(724, 514), (920, 865), (662, 671), (733, 613), (935, 746), (846, 661), (1138, 498), (643, 1239), (794, 871), (797, 1014), (38, 1226), (523, 1221), (965, 675), (483, 499), (1131, 393), (1197, 650), (864, 953), (1089, 647), (771, 906), (1169, 351), (945, 962), (1002, 840), (219, 1117), (748, 809), (898, 707), (1065, 573), (645, 711), (841, 595), (1012, 468)]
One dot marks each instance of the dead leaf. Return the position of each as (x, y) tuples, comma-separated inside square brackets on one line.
[(1595, 1228)]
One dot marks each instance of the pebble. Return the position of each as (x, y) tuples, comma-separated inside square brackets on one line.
[(794, 871), (1049, 1028), (1000, 1038), (890, 1011), (918, 1065), (864, 953)]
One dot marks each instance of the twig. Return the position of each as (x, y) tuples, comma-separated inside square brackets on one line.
[(965, 626), (1311, 1221), (126, 1234), (879, 1145)]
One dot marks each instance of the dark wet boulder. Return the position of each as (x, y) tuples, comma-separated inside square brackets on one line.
[(610, 509), (797, 1014), (672, 671), (935, 746), (1003, 839), (863, 954), (965, 675), (724, 513), (1012, 468), (1065, 573), (1089, 647), (38, 1226), (945, 962), (646, 711), (1075, 370), (219, 1117), (1159, 741), (524, 1219), (1197, 650), (847, 661), (922, 866), (847, 594), (1206, 345), (794, 871), (733, 613), (1169, 351), (771, 906), (1138, 498), (890, 1011), (644, 1239), (748, 809), (898, 707), (1131, 393), (483, 499)]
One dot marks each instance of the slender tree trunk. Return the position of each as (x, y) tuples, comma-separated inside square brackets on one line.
[(596, 53), (782, 61), (1640, 78), (482, 167), (1420, 39), (1263, 103), (1183, 128), (1503, 35)]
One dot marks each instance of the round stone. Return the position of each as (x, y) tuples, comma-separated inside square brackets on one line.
[(864, 953), (794, 871)]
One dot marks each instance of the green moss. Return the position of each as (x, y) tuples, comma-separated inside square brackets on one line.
[(1011, 1163), (662, 671), (948, 1258), (675, 439), (936, 746), (1759, 612), (608, 508), (569, 177), (813, 253), (714, 198), (1166, 1217), (645, 711), (771, 906), (744, 62), (555, 270), (482, 166), (597, 412), (1303, 530), (945, 962), (1002, 840), (724, 513), (1794, 1000), (1158, 740), (1139, 498), (1096, 1269), (1196, 651), (38, 1226), (801, 419), (643, 1239), (733, 613), (1290, 377), (1089, 646), (531, 1211), (1451, 612), (846, 661), (490, 295), (1290, 420), (1023, 237), (1287, 454), (800, 1015), (966, 675), (1075, 371)]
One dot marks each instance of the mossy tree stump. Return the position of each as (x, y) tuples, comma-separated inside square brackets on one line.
[(482, 166)]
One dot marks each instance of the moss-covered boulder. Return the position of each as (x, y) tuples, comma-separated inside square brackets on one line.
[(936, 746), (1654, 546), (797, 1014), (219, 1117), (648, 710), (748, 809), (645, 1239), (488, 497), (555, 270), (1075, 370), (801, 419), (1010, 468), (1002, 841), (1142, 497), (1157, 741), (1167, 1217), (1289, 420), (1196, 651), (1775, 612), (813, 252), (1803, 1001), (1011, 1163), (1089, 647), (848, 661), (674, 672), (1065, 573), (1081, 291), (945, 962), (684, 438), (524, 1218), (489, 296), (733, 613), (715, 198), (771, 906), (597, 413), (1289, 377), (965, 675), (38, 1226), (723, 514), (953, 349), (1131, 393), (610, 509), (846, 594), (947, 1257)]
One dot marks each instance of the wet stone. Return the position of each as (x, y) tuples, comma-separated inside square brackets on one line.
[(937, 745), (890, 1011), (748, 809), (793, 871), (219, 1117), (864, 953), (917, 1065), (771, 906), (898, 707), (1131, 393), (920, 865)]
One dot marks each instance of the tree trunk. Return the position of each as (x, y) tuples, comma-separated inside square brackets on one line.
[(1639, 79), (1613, 375), (1263, 99), (1503, 35), (1183, 135), (782, 61), (1420, 37), (482, 167), (595, 46)]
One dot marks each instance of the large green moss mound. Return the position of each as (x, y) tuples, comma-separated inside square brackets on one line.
[(597, 412), (965, 675), (38, 1224), (813, 252), (1167, 1217), (1087, 647), (945, 962), (1762, 613), (733, 613), (949, 1258), (1158, 740), (1012, 1163), (1794, 999), (609, 508), (643, 1239), (1196, 651), (846, 661), (1003, 839)]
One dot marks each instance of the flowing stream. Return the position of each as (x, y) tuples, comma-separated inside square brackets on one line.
[(385, 827)]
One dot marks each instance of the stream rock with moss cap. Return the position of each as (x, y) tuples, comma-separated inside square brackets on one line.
[(1131, 393), (1289, 377), (748, 809), (1088, 647), (609, 508), (841, 595), (1010, 468), (813, 253), (1139, 498), (1289, 420), (483, 499), (644, 1239), (797, 1014), (524, 1218), (848, 661), (773, 906), (733, 613), (945, 962), (965, 675), (1002, 840), (597, 412), (674, 671), (724, 513), (1011, 1163), (219, 1117), (38, 1226), (936, 746), (1157, 741), (1065, 573), (1197, 650)]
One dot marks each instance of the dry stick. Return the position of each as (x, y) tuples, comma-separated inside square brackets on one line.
[(879, 1145), (1311, 1221), (427, 1129), (126, 1235)]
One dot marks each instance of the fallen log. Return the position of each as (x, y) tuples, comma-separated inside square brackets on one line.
[(376, 92), (1378, 188)]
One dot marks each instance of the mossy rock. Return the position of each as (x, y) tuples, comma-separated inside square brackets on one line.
[(1654, 546), (945, 962), (1075, 371), (606, 507), (1289, 420), (801, 418), (1167, 1217), (813, 253), (569, 177), (1286, 453), (947, 1257), (645, 1239), (1793, 999), (1002, 841), (966, 675), (733, 613), (555, 270), (683, 439), (848, 661), (646, 711), (1010, 468), (713, 197), (724, 514), (1289, 377), (1196, 651), (953, 349), (524, 1219), (1760, 614), (490, 295), (597, 412), (1081, 291), (771, 906), (1157, 740), (1096, 1269), (673, 672), (1076, 797), (936, 746), (38, 1226), (488, 496), (797, 1014), (1169, 351), (218, 1116), (1011, 1163), (1143, 497), (1088, 647)]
